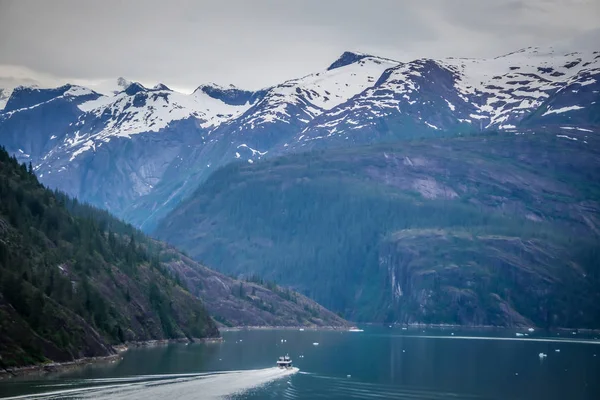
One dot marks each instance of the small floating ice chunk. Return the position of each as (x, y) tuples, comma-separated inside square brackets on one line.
[(543, 355), (451, 333), (516, 373), (519, 334), (404, 351), (557, 350), (348, 376), (301, 329), (531, 329), (404, 328), (315, 344)]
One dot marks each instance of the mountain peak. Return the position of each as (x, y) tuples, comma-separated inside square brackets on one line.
[(135, 88), (161, 86), (230, 94), (348, 57), (207, 87)]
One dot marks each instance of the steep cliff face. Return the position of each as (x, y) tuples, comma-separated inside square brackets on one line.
[(449, 276)]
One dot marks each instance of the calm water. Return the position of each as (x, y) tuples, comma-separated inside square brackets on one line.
[(379, 363)]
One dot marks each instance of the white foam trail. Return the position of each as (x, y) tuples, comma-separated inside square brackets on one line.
[(205, 386), (518, 339)]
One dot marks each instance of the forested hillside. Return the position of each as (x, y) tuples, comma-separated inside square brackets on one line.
[(74, 280), (491, 229)]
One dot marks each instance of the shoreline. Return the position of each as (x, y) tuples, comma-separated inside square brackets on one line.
[(57, 367), (162, 342), (283, 328), (408, 326)]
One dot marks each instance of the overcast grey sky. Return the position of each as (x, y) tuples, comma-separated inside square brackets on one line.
[(258, 43)]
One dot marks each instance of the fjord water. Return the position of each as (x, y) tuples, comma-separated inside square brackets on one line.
[(379, 363)]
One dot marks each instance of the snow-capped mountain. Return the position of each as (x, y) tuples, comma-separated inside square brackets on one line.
[(137, 151), (465, 94)]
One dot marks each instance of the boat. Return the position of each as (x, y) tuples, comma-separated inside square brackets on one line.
[(284, 362)]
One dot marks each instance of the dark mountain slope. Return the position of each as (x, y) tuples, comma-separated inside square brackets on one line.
[(75, 280), (493, 229), (68, 289)]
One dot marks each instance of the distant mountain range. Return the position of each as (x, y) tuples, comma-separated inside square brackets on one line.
[(139, 151)]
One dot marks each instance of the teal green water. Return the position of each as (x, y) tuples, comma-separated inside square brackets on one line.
[(379, 363)]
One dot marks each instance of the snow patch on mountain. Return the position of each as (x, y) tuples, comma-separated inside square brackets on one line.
[(561, 110), (254, 151), (566, 137), (78, 91), (576, 128)]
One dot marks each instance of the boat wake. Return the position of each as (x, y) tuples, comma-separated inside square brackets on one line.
[(185, 386)]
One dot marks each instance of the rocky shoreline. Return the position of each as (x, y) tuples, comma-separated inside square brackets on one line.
[(55, 367)]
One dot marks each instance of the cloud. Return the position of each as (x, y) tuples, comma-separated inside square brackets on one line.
[(258, 43)]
